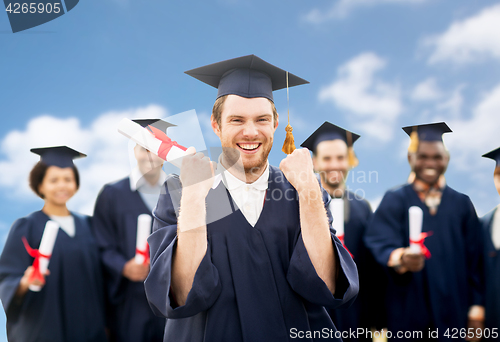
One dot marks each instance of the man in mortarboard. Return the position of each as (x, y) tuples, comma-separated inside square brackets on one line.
[(333, 158), (266, 270), (491, 233), (438, 288), (116, 213)]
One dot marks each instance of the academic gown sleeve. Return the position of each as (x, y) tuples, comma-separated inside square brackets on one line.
[(104, 227), (383, 234), (304, 280), (13, 263), (474, 250), (162, 243)]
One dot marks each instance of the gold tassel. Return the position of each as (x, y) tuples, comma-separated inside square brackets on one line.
[(411, 177), (352, 159), (289, 144), (413, 148), (351, 156)]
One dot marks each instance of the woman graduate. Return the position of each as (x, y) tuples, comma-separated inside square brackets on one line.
[(69, 306)]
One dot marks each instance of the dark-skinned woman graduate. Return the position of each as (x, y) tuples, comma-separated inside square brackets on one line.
[(69, 304), (491, 234)]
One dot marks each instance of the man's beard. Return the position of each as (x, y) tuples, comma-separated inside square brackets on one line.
[(232, 157), (334, 182)]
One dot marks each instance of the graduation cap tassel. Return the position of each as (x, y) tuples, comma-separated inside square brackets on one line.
[(289, 144), (351, 156), (413, 141)]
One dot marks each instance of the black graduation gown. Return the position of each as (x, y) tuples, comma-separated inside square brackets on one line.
[(368, 309), (254, 283), (115, 222), (440, 295), (70, 307), (492, 274)]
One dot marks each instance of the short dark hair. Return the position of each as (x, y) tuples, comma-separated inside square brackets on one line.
[(37, 175)]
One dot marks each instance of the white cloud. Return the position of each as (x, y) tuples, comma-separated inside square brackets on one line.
[(108, 158), (427, 90), (453, 104), (477, 135), (342, 8), (374, 104), (469, 40)]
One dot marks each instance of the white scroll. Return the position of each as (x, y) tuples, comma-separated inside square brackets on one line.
[(143, 232), (416, 216), (337, 210), (146, 139), (46, 247)]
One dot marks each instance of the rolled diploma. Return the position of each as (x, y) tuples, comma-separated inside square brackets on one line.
[(143, 232), (46, 247), (337, 209), (416, 217), (144, 138), (139, 135)]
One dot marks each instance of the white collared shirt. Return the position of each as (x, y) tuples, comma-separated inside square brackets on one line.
[(149, 193), (66, 223), (248, 197), (495, 229)]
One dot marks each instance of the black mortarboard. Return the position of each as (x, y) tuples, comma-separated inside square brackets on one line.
[(157, 123), (495, 155), (247, 76), (60, 156), (429, 132), (329, 131)]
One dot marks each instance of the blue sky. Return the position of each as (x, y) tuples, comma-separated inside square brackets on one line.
[(374, 66)]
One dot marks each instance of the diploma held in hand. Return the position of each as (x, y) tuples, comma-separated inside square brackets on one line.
[(143, 232), (153, 140), (337, 210), (157, 142), (44, 252), (416, 218)]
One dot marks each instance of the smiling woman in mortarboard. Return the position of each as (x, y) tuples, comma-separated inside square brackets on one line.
[(69, 305)]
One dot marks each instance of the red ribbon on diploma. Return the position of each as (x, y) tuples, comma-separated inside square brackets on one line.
[(36, 263), (420, 242), (144, 253), (341, 238), (166, 144)]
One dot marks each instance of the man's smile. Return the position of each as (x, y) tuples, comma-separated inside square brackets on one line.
[(249, 147)]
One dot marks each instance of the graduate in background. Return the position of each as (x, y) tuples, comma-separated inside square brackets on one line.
[(70, 304), (333, 157), (116, 213), (491, 230), (440, 287), (261, 272)]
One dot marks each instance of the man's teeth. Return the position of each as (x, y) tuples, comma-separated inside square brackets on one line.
[(430, 172), (248, 146)]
